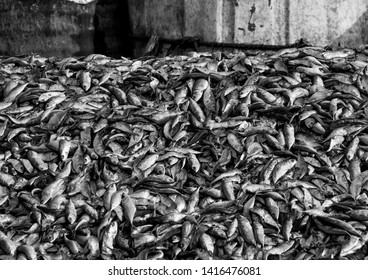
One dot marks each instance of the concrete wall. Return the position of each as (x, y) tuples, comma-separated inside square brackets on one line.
[(68, 27), (47, 27), (321, 22)]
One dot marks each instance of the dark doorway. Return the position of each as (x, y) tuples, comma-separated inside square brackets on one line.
[(112, 28)]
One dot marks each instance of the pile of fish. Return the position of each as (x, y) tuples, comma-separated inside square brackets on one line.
[(254, 155)]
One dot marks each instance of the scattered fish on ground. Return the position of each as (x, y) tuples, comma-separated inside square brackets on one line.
[(254, 155)]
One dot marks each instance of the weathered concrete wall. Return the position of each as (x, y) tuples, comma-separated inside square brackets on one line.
[(335, 22), (68, 27), (321, 22), (261, 22), (204, 19), (57, 27)]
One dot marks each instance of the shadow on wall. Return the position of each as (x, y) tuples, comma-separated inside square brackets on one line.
[(62, 28), (112, 28), (357, 34)]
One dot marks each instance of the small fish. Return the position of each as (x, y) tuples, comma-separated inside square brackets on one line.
[(7, 245), (55, 188), (258, 231), (129, 208), (108, 239), (282, 168), (204, 155), (199, 87), (28, 250), (85, 80), (207, 243), (246, 230), (7, 179), (265, 217), (15, 92), (279, 249), (71, 212)]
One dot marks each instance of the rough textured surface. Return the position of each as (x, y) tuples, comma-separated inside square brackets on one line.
[(260, 22), (164, 18), (204, 19), (348, 23), (342, 22), (46, 27), (308, 19)]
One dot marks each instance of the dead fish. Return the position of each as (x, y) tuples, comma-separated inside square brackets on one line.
[(28, 250), (147, 162), (144, 239), (279, 249), (207, 243), (7, 179), (351, 246), (265, 217), (235, 142), (7, 245), (193, 201), (246, 230), (359, 214), (55, 188), (15, 92), (129, 208), (85, 79), (197, 156), (199, 87), (258, 231), (168, 218), (340, 224), (71, 212), (108, 238), (282, 168), (37, 161)]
